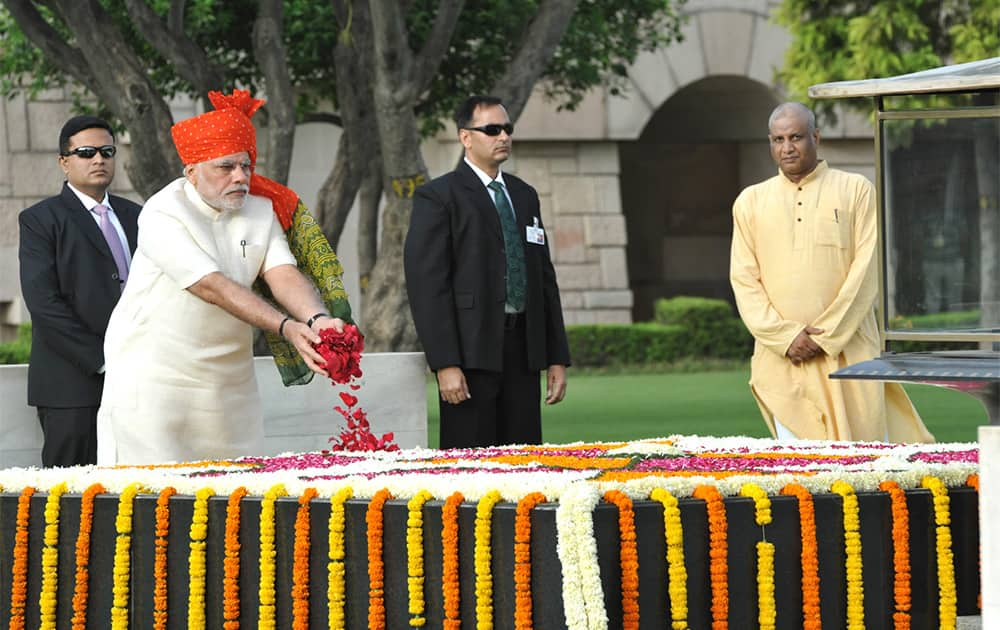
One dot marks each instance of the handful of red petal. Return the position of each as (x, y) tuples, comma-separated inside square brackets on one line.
[(341, 351)]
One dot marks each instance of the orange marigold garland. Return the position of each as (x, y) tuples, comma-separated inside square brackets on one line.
[(81, 580), (415, 558), (852, 550), (19, 581), (160, 558), (809, 558), (449, 561), (376, 566), (900, 554), (718, 541), (300, 562), (522, 560), (629, 558), (673, 532), (335, 592), (947, 590), (231, 563), (50, 559)]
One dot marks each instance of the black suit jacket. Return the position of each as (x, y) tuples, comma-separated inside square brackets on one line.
[(70, 285), (455, 268)]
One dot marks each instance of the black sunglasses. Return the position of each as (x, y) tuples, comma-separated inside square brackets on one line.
[(107, 151), (493, 130)]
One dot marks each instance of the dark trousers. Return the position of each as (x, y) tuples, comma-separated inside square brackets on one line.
[(505, 407), (70, 436)]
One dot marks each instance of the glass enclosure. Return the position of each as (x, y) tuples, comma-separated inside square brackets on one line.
[(941, 222)]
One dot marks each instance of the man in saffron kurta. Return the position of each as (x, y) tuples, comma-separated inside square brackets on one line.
[(803, 269), (180, 382)]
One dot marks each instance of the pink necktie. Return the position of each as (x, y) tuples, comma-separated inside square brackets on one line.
[(114, 242)]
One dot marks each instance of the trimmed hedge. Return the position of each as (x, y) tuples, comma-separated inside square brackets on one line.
[(19, 350), (685, 327)]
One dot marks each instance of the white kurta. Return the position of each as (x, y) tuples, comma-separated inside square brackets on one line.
[(180, 383), (805, 255)]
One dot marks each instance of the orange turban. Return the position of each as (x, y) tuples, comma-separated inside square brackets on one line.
[(228, 130)]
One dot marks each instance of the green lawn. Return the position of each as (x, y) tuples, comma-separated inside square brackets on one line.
[(630, 406)]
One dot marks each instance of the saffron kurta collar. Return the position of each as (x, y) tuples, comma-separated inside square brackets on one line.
[(817, 173)]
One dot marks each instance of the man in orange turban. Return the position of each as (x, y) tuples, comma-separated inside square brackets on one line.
[(180, 383)]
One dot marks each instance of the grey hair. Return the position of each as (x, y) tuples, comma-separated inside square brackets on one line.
[(793, 108)]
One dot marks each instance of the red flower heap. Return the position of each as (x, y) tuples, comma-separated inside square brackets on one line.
[(342, 354)]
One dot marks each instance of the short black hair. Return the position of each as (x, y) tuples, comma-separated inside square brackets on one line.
[(76, 124), (467, 110)]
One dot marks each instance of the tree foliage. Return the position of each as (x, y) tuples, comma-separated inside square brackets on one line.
[(840, 40)]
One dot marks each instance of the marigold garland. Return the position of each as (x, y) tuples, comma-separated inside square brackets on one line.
[(629, 558), (673, 532), (81, 588), (335, 591), (947, 593), (415, 557), (767, 612), (197, 568), (122, 569), (19, 582), (809, 557), (900, 554), (160, 558), (483, 557), (449, 561), (376, 565), (231, 563), (50, 559), (852, 551), (300, 562), (718, 541), (266, 607), (522, 560)]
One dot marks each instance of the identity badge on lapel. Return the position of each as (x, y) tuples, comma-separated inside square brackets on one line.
[(535, 234)]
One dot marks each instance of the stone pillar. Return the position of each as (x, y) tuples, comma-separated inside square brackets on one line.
[(989, 523), (578, 186)]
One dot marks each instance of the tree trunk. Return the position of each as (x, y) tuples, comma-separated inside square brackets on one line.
[(987, 158), (269, 49)]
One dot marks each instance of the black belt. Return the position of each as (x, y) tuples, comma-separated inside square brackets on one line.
[(513, 320)]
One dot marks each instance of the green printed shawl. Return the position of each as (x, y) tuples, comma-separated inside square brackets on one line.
[(318, 262)]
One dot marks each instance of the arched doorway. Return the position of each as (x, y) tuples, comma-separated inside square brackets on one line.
[(705, 144)]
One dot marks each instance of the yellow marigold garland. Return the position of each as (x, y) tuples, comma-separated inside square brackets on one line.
[(50, 559), (483, 557), (376, 565), (231, 563), (160, 558), (673, 532), (809, 557), (81, 580), (335, 591), (718, 543), (900, 554), (415, 557), (300, 562), (948, 597), (766, 608), (852, 550), (522, 560), (449, 561), (19, 582), (629, 558), (196, 559), (122, 570), (266, 607)]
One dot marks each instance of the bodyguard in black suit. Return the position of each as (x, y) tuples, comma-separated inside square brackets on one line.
[(71, 281), (483, 291)]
